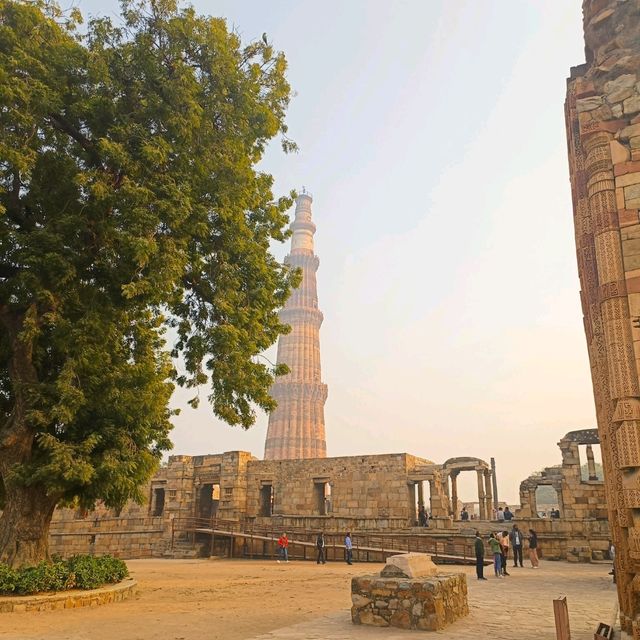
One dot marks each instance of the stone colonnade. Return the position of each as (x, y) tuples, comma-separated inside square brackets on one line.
[(452, 468)]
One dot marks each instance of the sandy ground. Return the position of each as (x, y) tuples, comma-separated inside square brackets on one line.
[(199, 600), (243, 599)]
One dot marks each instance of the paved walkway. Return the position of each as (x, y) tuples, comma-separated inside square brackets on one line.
[(518, 606)]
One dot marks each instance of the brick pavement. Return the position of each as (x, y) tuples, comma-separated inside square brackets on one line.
[(517, 606)]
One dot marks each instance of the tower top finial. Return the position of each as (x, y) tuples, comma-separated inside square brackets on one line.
[(305, 193)]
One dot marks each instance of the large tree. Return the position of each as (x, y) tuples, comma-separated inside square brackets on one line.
[(130, 203)]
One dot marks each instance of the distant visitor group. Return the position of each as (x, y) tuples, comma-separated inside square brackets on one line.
[(499, 545)]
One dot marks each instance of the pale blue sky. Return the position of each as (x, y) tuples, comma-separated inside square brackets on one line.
[(431, 135)]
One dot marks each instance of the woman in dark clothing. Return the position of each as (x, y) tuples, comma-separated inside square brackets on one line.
[(533, 548)]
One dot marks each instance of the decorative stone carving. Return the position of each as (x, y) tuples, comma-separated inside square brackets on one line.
[(601, 145)]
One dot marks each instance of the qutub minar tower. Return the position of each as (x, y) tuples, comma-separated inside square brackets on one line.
[(296, 427)]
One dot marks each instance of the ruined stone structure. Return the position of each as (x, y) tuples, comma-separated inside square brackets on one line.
[(409, 593), (296, 427), (452, 468), (376, 495), (603, 129), (577, 498), (358, 493)]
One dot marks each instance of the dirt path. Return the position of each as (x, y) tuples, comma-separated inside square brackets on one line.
[(199, 600)]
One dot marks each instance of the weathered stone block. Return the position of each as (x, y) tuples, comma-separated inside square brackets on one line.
[(427, 603), (410, 565)]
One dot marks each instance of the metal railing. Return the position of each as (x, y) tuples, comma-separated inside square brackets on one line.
[(367, 546)]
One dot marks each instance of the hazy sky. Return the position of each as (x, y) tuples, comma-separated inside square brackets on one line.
[(431, 135)]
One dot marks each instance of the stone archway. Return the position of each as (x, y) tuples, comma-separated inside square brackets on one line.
[(452, 468)]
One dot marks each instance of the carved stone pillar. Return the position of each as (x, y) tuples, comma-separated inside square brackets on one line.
[(603, 129), (454, 495), (533, 502), (488, 496), (420, 494), (591, 463), (494, 482), (482, 505)]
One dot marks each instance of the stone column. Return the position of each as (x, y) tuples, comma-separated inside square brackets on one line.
[(495, 484), (591, 463), (420, 494), (533, 503), (488, 495), (603, 130), (454, 495), (481, 501)]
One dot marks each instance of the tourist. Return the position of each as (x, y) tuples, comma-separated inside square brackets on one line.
[(612, 555), (478, 546), (283, 547), (503, 539), (508, 515), (516, 539), (422, 516), (533, 548), (348, 548), (497, 555), (464, 514), (320, 548), (500, 515)]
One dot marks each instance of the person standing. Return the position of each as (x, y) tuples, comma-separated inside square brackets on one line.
[(422, 516), (478, 547), (508, 515), (500, 515), (516, 539), (348, 547), (283, 547), (497, 555), (464, 514), (320, 548), (503, 539), (533, 548)]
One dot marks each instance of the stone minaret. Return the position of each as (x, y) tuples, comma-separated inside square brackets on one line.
[(603, 129), (296, 427)]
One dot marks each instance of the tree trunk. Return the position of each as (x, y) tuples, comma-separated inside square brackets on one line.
[(24, 525)]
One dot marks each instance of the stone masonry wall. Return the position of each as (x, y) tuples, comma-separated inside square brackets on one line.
[(428, 604), (374, 487)]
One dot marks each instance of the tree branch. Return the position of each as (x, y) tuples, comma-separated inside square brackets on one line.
[(66, 127)]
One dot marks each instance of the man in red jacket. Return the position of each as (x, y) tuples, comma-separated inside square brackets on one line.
[(283, 547)]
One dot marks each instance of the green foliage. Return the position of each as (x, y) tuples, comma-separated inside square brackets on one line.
[(78, 572), (90, 572), (8, 579), (130, 204)]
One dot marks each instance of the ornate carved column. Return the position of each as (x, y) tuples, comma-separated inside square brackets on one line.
[(296, 427), (603, 130)]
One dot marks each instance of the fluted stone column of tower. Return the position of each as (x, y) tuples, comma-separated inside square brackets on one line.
[(603, 130), (296, 427)]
